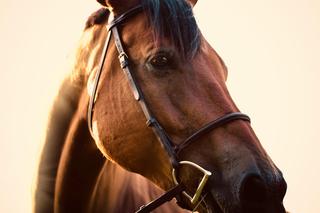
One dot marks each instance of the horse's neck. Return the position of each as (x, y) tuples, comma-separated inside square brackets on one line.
[(67, 150), (61, 117), (62, 112)]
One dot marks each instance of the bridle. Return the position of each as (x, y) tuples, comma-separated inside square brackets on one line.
[(171, 149)]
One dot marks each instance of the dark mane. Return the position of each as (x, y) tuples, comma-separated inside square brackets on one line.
[(173, 19)]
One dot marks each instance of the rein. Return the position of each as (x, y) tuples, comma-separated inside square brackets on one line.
[(171, 149)]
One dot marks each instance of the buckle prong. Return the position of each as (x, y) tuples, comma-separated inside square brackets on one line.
[(206, 174)]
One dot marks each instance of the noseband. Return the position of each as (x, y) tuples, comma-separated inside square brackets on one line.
[(167, 144)]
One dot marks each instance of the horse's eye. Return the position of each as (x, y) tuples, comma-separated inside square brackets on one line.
[(160, 61)]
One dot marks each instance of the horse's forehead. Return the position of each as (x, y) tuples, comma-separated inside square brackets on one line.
[(138, 26)]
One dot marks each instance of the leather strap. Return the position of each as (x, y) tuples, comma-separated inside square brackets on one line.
[(123, 17), (211, 126), (169, 195), (92, 99)]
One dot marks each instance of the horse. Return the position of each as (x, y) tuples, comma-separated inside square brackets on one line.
[(145, 112)]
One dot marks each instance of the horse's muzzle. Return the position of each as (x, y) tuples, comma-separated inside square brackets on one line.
[(258, 195), (255, 195)]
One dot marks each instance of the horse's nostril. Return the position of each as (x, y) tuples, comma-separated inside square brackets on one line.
[(253, 190)]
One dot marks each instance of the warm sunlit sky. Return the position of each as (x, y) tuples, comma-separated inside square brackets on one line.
[(272, 49)]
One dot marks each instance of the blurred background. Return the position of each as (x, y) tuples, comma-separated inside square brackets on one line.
[(272, 50)]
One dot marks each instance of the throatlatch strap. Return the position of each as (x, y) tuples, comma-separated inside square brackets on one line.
[(169, 195), (92, 99)]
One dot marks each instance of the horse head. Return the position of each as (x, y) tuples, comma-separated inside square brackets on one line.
[(180, 80)]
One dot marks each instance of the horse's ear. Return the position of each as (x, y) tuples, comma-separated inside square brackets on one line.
[(102, 2), (118, 6), (193, 2)]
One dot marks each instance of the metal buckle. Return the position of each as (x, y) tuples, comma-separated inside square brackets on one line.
[(206, 174)]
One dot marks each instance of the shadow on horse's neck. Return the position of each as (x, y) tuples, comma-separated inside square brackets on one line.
[(79, 167)]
